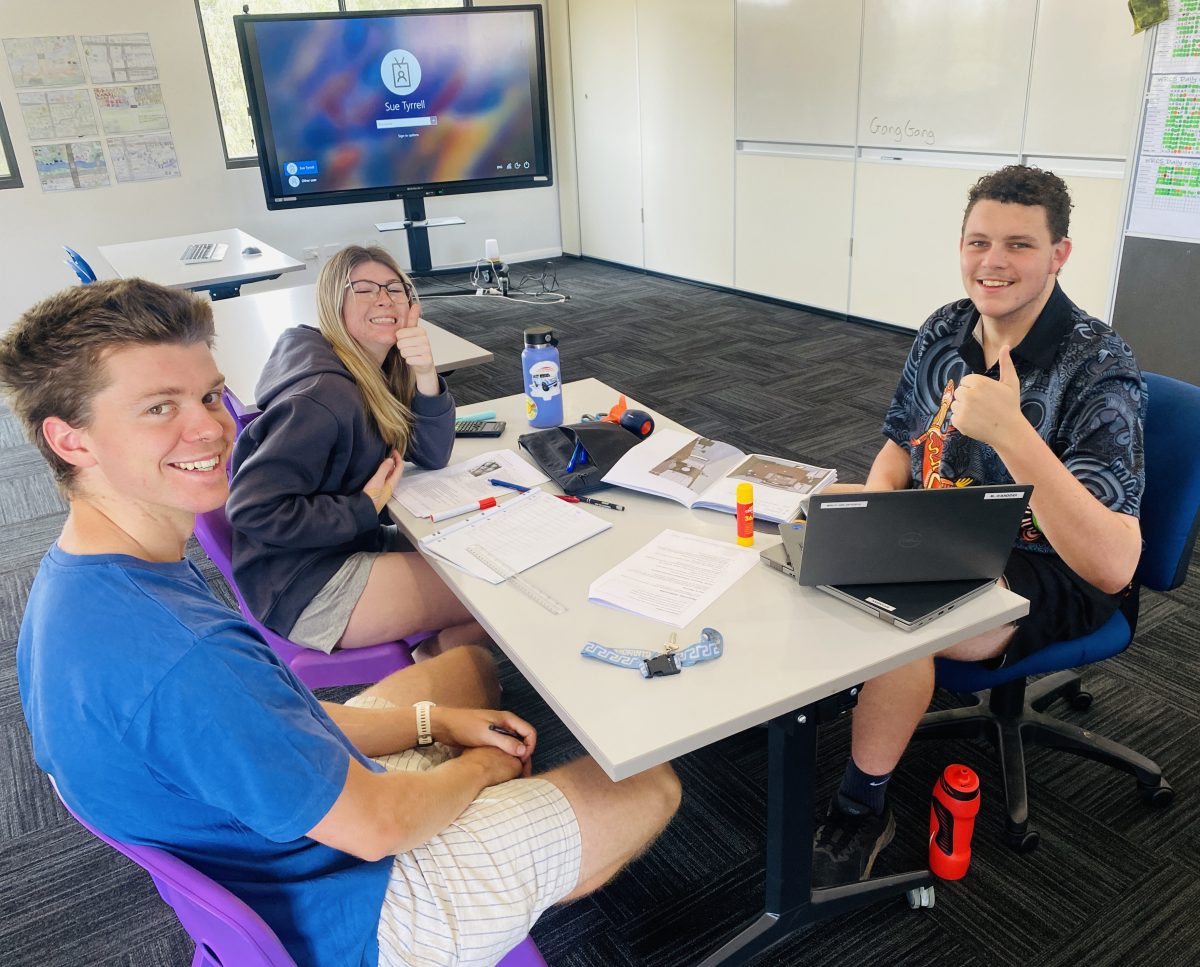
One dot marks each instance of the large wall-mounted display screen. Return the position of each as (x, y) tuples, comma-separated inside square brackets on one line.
[(365, 107)]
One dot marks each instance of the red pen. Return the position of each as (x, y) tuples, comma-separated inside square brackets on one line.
[(465, 509)]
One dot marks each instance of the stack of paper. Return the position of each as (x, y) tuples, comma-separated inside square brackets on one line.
[(674, 577), (520, 533), (425, 492)]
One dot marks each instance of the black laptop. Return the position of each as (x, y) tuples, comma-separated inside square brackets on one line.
[(905, 556)]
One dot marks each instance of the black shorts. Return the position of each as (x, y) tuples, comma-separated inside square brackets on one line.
[(1062, 605)]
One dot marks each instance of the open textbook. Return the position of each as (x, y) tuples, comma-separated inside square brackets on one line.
[(698, 472)]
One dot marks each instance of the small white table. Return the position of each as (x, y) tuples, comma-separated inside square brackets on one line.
[(248, 328), (793, 657), (157, 259)]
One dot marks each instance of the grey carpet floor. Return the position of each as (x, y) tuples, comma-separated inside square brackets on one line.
[(1114, 882)]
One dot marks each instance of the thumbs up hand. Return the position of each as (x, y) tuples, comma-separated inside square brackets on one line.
[(989, 410)]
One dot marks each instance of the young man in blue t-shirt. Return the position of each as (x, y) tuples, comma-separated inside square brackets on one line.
[(366, 833), (1012, 384)]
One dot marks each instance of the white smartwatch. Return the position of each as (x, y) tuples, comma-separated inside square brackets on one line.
[(424, 726)]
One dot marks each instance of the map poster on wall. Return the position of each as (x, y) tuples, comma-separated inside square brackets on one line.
[(132, 109), (71, 166), (57, 114), (143, 158), (44, 62), (1177, 43), (119, 58)]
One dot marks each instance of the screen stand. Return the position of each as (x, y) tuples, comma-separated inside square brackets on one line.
[(417, 226)]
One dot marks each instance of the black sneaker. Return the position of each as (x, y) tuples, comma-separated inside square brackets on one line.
[(845, 846)]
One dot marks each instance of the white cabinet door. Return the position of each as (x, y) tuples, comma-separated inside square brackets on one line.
[(686, 79), (604, 64)]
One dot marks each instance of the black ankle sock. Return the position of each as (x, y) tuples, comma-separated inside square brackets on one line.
[(861, 791)]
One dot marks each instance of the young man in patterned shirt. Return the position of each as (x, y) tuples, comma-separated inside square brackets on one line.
[(1014, 384)]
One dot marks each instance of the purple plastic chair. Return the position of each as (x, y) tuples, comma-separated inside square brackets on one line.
[(348, 666), (226, 931), (241, 413)]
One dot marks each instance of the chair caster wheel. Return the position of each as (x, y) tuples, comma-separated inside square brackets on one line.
[(1026, 841), (1080, 701), (922, 896), (1160, 796)]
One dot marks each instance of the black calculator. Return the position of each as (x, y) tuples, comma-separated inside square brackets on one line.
[(478, 427)]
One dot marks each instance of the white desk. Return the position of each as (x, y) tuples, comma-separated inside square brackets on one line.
[(247, 329), (785, 646), (792, 658), (157, 260)]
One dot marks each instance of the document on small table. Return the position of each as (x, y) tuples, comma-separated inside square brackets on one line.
[(674, 577), (518, 534), (424, 492)]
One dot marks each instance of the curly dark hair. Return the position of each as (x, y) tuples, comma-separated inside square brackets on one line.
[(52, 358), (1026, 185)]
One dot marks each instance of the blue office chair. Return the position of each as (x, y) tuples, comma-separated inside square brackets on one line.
[(1010, 711), (78, 264)]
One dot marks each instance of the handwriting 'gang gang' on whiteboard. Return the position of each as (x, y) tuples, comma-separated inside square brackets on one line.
[(898, 132)]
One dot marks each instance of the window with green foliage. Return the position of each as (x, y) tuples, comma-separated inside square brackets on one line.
[(10, 177), (225, 66)]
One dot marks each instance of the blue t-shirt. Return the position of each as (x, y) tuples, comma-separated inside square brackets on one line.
[(165, 720)]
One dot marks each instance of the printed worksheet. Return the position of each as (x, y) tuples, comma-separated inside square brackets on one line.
[(57, 114), (674, 577), (425, 492), (119, 58), (145, 158)]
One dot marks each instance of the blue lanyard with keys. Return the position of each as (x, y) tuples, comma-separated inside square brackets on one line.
[(653, 664)]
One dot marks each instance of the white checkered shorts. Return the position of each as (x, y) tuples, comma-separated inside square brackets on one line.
[(470, 894)]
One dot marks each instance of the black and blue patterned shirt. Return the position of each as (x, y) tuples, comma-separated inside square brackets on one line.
[(1081, 389)]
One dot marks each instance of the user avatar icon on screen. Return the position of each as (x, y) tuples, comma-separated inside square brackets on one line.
[(400, 71)]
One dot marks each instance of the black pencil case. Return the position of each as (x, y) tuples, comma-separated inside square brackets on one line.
[(605, 444)]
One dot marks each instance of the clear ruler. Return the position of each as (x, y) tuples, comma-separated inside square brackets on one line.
[(531, 591)]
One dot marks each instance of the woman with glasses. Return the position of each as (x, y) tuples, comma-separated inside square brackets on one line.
[(343, 407)]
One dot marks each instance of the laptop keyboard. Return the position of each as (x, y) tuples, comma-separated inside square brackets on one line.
[(204, 252)]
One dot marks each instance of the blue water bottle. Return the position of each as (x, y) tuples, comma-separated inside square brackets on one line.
[(543, 378)]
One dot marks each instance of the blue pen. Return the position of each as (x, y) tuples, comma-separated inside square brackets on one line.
[(473, 417), (578, 455), (504, 483), (512, 486)]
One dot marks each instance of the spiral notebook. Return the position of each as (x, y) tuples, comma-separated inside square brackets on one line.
[(519, 534)]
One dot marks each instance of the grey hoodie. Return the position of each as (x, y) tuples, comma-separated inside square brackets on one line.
[(296, 502)]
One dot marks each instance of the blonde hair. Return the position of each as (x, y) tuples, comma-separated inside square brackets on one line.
[(387, 391)]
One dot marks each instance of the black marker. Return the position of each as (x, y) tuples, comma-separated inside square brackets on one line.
[(503, 731)]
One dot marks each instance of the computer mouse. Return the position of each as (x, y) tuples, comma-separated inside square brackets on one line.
[(251, 250)]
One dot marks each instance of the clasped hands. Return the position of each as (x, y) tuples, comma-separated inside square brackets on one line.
[(989, 410), (502, 756)]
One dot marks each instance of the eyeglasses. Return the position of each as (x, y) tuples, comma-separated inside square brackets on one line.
[(395, 290)]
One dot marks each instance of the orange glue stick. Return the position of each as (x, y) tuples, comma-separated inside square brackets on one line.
[(745, 514)]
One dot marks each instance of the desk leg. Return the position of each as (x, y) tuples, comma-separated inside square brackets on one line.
[(791, 901)]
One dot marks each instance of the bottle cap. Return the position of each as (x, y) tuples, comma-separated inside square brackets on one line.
[(745, 493), (960, 781), (540, 336)]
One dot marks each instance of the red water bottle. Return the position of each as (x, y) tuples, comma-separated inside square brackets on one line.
[(951, 819)]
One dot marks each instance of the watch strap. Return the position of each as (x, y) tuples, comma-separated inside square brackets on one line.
[(424, 723)]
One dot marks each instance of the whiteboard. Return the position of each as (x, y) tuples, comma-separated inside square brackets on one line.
[(1085, 89), (950, 76), (797, 70)]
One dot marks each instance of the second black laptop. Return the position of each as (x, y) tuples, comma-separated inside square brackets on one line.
[(904, 536)]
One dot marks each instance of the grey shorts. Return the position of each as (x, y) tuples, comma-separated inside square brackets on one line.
[(471, 893), (322, 624)]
